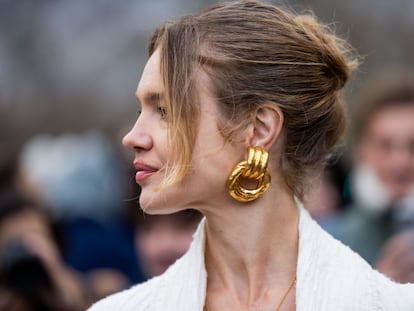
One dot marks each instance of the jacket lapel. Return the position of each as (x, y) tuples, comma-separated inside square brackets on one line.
[(184, 286)]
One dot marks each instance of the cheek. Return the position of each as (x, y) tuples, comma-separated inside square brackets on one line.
[(215, 163), (207, 179), (374, 157), (161, 149)]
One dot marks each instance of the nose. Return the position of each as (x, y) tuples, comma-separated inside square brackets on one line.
[(137, 138)]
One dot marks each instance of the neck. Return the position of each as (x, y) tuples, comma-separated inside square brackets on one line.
[(252, 249)]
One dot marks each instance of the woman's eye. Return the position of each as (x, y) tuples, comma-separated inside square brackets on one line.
[(162, 111)]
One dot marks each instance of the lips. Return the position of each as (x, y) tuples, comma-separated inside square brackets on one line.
[(143, 171)]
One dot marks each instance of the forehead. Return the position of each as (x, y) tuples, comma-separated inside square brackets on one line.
[(150, 87), (150, 83), (394, 119)]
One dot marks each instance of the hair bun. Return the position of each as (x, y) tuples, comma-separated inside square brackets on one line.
[(335, 53)]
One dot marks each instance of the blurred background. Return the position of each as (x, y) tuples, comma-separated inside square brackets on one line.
[(74, 65), (68, 73)]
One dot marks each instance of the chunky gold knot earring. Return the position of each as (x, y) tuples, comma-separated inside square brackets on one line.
[(254, 168)]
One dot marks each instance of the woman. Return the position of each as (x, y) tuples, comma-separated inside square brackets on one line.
[(246, 76)]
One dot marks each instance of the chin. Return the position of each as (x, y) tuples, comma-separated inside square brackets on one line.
[(155, 203), (152, 208)]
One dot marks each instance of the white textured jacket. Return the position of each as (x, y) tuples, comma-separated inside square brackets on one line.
[(330, 276)]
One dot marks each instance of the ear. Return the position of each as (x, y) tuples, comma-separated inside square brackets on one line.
[(266, 126)]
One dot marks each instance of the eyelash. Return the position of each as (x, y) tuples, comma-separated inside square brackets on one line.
[(160, 109), (163, 112)]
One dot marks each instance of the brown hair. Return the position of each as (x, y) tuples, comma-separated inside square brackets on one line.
[(256, 53)]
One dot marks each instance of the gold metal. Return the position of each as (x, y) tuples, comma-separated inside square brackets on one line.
[(286, 292), (255, 168)]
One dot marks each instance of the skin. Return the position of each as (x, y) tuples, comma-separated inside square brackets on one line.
[(162, 242), (251, 248), (387, 146)]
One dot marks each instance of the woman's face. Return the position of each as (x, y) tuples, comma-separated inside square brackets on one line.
[(213, 158)]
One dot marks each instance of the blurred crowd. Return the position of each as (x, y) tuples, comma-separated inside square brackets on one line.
[(72, 232), (369, 203)]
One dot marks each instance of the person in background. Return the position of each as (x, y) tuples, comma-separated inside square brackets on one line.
[(396, 257), (162, 239), (382, 180), (240, 108), (326, 201), (80, 178), (33, 274)]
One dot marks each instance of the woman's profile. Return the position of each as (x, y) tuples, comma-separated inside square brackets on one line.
[(240, 107)]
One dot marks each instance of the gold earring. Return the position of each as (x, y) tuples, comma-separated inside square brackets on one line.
[(254, 168)]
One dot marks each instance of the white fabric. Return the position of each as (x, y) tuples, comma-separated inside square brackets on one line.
[(330, 276)]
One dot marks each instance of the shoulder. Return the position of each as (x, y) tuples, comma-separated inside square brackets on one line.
[(138, 297)]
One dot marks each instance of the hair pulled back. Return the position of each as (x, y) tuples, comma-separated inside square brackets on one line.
[(256, 53)]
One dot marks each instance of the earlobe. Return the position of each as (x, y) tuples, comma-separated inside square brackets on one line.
[(266, 126)]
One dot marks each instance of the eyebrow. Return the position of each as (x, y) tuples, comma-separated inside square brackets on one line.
[(150, 97)]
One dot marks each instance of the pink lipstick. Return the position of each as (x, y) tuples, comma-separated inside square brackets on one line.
[(143, 171)]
